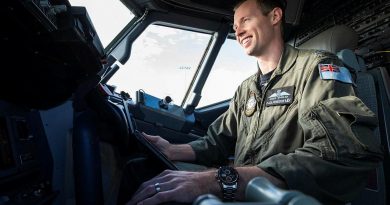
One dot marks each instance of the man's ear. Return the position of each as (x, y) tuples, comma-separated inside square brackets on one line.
[(277, 14)]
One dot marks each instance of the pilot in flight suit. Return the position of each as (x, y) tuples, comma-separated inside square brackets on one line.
[(305, 126)]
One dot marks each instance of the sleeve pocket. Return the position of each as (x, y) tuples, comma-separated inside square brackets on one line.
[(350, 125)]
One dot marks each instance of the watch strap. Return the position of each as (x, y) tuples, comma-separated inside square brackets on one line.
[(228, 189), (229, 193)]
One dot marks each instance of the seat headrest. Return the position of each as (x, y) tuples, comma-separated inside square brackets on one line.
[(333, 39), (351, 60)]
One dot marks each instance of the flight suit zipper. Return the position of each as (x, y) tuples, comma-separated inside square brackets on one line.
[(314, 116), (263, 93)]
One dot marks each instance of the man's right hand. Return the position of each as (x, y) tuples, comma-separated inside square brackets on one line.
[(162, 144), (174, 152)]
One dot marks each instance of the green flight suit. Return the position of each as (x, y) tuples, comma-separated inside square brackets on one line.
[(319, 140)]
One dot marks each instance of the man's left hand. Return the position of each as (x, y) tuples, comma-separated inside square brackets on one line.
[(178, 186)]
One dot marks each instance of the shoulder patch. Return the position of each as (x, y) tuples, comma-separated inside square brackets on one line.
[(250, 106), (334, 72)]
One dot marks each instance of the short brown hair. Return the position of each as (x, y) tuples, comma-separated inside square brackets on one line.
[(266, 5)]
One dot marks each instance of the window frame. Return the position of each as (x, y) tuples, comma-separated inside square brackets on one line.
[(232, 38), (161, 61), (121, 49)]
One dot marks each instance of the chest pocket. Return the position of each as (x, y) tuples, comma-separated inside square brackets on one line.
[(274, 116)]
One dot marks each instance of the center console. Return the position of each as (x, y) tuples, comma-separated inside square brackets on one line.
[(25, 158)]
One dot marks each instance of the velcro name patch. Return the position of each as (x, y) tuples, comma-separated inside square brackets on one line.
[(280, 96)]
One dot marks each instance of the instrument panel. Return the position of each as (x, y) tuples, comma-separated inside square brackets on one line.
[(25, 159)]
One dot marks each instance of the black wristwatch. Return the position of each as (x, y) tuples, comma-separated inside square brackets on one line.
[(228, 180)]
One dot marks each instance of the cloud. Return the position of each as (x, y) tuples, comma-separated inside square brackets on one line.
[(151, 47), (172, 41), (200, 38), (176, 36), (162, 31)]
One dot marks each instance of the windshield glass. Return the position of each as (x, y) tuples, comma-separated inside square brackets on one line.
[(163, 62), (231, 67)]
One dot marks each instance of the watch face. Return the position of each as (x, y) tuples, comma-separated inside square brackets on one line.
[(227, 175)]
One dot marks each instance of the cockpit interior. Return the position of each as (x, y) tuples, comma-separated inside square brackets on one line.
[(71, 104)]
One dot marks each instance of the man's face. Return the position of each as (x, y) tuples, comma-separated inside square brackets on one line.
[(254, 31)]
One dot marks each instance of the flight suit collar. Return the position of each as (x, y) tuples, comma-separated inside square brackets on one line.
[(287, 60)]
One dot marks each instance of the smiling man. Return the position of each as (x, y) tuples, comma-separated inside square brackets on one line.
[(293, 123)]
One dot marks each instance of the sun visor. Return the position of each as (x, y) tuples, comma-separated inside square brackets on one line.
[(48, 54), (294, 11)]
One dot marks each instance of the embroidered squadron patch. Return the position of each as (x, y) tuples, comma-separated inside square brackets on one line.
[(280, 96), (334, 72), (250, 106)]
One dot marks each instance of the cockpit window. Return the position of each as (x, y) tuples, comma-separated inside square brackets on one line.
[(231, 67), (163, 62), (108, 17)]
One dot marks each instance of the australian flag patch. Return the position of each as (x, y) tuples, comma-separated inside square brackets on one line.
[(334, 72)]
